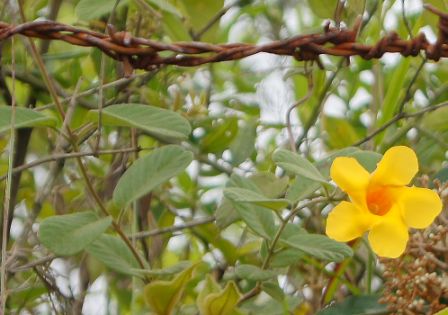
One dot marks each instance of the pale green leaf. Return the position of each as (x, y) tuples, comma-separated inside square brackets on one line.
[(115, 254), (243, 145), (89, 10), (163, 296), (296, 164), (323, 8), (340, 132), (394, 93), (301, 188), (162, 124), (168, 270), (319, 246), (221, 303), (25, 117), (209, 286), (270, 185), (150, 171), (368, 159), (241, 195), (70, 233), (254, 273), (165, 6), (258, 219)]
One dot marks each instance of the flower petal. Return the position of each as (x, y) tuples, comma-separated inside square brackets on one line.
[(419, 206), (347, 222), (389, 237), (351, 177), (397, 167)]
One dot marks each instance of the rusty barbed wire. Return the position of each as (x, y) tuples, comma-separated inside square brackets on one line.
[(141, 53)]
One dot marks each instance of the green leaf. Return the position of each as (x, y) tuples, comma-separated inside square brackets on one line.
[(341, 132), (210, 286), (221, 303), (270, 185), (165, 6), (89, 10), (319, 246), (69, 234), (323, 8), (242, 195), (25, 117), (150, 171), (162, 124), (258, 219), (243, 145), (301, 188), (436, 120), (394, 92), (115, 254), (199, 13), (356, 305), (286, 257), (220, 136), (163, 296), (368, 159), (294, 163), (254, 273), (225, 214), (168, 270)]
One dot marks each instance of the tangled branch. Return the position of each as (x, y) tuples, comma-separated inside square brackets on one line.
[(141, 53)]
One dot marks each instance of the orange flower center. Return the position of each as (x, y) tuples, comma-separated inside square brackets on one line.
[(379, 200)]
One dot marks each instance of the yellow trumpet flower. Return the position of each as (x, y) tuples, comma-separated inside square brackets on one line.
[(381, 203)]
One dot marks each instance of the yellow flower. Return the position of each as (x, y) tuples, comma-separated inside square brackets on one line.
[(381, 203)]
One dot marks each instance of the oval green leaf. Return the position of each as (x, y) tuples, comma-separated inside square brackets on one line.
[(162, 124), (113, 252), (319, 246), (221, 303), (69, 234), (248, 196), (254, 273), (25, 117), (296, 164), (150, 171), (163, 296)]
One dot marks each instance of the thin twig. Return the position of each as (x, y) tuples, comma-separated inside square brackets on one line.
[(62, 156), (32, 264), (295, 105), (396, 118), (172, 229)]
